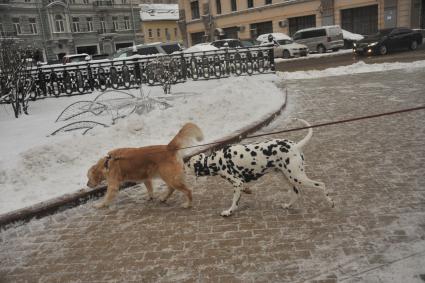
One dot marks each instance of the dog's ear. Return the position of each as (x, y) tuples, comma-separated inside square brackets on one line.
[(96, 174)]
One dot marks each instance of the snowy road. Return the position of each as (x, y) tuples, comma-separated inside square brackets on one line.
[(374, 234)]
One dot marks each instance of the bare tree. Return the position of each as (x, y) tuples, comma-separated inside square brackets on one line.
[(16, 82)]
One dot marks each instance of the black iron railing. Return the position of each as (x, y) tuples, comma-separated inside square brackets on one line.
[(131, 72)]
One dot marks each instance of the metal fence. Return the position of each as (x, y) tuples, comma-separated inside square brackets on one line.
[(131, 72)]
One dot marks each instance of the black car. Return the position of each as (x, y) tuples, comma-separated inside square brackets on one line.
[(387, 40)]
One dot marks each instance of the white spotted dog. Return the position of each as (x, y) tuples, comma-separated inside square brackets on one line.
[(240, 164)]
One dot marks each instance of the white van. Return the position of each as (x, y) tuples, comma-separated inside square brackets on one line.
[(321, 39)]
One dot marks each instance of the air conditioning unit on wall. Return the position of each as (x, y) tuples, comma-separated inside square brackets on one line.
[(283, 23)]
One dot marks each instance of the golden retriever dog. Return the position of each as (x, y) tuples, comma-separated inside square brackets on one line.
[(143, 164)]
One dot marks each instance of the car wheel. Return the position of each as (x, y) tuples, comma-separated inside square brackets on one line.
[(321, 49), (286, 54), (383, 50), (413, 45)]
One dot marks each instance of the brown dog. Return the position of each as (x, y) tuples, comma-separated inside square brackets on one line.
[(143, 164)]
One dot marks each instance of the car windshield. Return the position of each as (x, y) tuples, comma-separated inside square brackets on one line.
[(284, 41)]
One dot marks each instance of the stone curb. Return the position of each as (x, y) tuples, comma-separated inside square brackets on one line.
[(52, 206)]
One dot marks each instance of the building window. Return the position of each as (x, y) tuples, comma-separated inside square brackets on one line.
[(76, 24), (150, 33), (218, 6), (1, 29), (115, 23), (124, 1), (167, 35), (33, 26), (16, 25), (59, 23), (85, 1), (194, 7), (126, 23), (89, 24), (175, 32), (27, 1), (250, 3), (268, 2), (102, 25), (233, 5), (72, 1), (158, 32)]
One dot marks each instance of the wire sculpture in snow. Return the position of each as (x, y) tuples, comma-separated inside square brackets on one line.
[(110, 106)]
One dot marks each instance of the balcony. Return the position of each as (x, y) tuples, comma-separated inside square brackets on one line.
[(106, 31), (101, 5), (61, 36), (8, 34)]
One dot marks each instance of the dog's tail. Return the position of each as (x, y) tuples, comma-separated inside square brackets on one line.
[(307, 138), (185, 136)]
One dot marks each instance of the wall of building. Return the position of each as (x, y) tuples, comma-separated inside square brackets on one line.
[(58, 43), (281, 10), (162, 26)]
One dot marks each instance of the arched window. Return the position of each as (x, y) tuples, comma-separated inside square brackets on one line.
[(59, 23)]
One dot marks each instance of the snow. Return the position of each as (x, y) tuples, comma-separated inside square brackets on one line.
[(329, 53), (200, 47), (359, 67), (276, 36), (351, 36), (157, 12), (35, 167)]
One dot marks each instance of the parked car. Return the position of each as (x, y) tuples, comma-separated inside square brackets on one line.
[(284, 46), (321, 39), (228, 42), (148, 49), (249, 42), (82, 57), (201, 47), (387, 40)]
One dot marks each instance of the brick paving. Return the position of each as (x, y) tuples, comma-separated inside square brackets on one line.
[(375, 169)]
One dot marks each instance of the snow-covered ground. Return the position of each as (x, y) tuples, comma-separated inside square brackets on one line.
[(316, 55), (35, 166), (359, 67)]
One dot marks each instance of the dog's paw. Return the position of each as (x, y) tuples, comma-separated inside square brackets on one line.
[(187, 205), (226, 213), (99, 205), (247, 191), (286, 206), (148, 198)]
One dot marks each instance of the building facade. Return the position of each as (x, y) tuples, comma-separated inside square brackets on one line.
[(159, 22), (205, 20), (71, 26)]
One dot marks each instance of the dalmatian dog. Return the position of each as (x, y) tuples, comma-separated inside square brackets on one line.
[(240, 164)]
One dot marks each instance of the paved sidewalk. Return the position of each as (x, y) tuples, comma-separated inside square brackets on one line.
[(375, 169)]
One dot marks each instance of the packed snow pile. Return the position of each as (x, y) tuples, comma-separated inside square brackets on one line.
[(34, 167), (351, 36), (359, 67)]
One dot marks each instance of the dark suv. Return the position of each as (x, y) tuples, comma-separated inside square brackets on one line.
[(387, 40)]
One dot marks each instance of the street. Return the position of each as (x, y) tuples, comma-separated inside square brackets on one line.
[(348, 59), (374, 169)]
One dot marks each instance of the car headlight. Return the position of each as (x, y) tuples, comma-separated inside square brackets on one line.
[(373, 44), (354, 44)]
